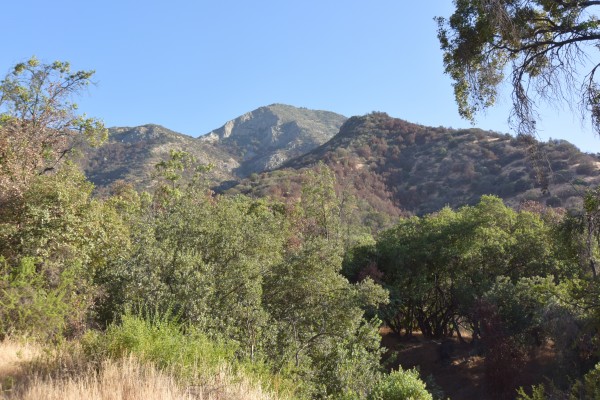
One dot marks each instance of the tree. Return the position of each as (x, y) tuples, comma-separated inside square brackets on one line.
[(544, 44), (321, 332), (39, 122), (438, 266), (50, 252), (203, 258)]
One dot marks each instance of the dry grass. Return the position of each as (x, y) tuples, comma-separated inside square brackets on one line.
[(27, 372), (13, 359)]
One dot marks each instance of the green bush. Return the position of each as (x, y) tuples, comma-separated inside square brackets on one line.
[(401, 385), (180, 349), (30, 306), (52, 243), (162, 341), (589, 387), (538, 393)]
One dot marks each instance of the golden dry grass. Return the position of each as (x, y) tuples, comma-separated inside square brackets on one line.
[(27, 373), (13, 356)]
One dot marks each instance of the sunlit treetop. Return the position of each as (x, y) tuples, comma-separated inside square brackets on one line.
[(39, 121)]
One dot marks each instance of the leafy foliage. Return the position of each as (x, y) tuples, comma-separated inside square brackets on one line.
[(589, 386), (258, 282), (262, 275), (401, 384), (29, 305), (39, 124), (543, 44), (439, 265), (161, 340), (53, 244)]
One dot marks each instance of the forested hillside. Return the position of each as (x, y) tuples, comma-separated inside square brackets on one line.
[(390, 166), (422, 169), (130, 154)]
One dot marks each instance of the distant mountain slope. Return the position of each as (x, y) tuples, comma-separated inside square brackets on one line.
[(132, 152), (268, 136), (389, 165), (256, 141), (422, 169)]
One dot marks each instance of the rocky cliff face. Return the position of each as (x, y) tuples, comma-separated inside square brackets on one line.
[(269, 136)]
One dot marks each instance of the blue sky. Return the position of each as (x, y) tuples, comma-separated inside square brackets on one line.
[(193, 65)]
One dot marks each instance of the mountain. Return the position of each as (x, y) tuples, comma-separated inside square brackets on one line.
[(389, 166), (269, 136), (396, 166), (254, 142), (132, 152)]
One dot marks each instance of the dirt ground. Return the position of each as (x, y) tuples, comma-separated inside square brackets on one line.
[(461, 377)]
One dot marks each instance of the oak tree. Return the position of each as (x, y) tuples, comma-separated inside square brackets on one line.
[(546, 46)]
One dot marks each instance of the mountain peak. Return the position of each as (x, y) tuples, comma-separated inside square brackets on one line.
[(270, 135)]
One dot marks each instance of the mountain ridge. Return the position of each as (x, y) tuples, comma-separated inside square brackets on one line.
[(393, 166), (422, 169), (253, 142)]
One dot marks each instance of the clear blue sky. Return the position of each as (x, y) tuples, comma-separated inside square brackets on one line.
[(193, 65)]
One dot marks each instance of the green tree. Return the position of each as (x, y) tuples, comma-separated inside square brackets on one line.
[(31, 305), (39, 123), (56, 242), (438, 266), (320, 204), (321, 333), (205, 258), (543, 44), (588, 387)]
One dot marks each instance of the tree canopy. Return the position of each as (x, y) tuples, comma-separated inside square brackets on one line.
[(39, 122), (545, 46)]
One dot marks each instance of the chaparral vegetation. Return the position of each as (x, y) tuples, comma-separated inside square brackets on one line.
[(326, 279)]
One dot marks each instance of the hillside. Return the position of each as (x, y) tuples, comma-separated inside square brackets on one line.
[(390, 166), (396, 165), (269, 136), (132, 152), (254, 142)]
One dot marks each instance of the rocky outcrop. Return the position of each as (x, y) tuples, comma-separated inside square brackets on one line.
[(269, 136)]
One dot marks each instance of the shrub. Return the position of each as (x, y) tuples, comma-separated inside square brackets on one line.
[(29, 305), (585, 168), (400, 385), (162, 341), (589, 387), (580, 182), (182, 350), (538, 393), (553, 201), (523, 185)]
